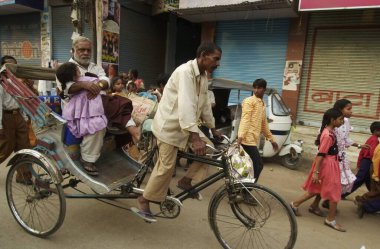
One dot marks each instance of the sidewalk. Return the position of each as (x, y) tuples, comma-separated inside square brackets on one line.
[(308, 135)]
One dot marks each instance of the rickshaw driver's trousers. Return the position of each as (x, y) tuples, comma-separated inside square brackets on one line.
[(91, 146), (159, 181)]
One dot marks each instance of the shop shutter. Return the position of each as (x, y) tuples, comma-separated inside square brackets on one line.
[(142, 44), (252, 49), (62, 29), (341, 61), (20, 37)]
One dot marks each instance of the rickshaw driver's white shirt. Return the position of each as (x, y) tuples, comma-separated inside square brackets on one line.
[(183, 103)]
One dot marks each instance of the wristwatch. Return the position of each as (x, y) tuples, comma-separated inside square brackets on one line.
[(100, 84)]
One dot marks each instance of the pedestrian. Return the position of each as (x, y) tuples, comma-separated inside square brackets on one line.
[(365, 160), (183, 103), (14, 133), (369, 201), (324, 176), (253, 123), (91, 144), (342, 133)]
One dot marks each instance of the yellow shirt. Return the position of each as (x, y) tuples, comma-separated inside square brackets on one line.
[(376, 163), (253, 121), (183, 103)]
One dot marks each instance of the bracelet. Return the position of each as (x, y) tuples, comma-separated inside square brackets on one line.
[(359, 146)]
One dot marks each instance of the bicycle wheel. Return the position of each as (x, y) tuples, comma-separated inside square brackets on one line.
[(37, 204), (247, 215)]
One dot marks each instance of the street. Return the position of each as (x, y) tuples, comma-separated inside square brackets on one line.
[(90, 223)]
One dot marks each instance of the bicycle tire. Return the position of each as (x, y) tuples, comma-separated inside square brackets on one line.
[(261, 219), (39, 207)]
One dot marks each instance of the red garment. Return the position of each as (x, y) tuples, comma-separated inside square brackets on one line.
[(329, 173), (372, 141), (117, 109)]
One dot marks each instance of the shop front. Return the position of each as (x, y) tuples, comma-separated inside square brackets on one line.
[(341, 60)]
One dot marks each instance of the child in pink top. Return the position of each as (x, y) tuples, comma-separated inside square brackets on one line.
[(324, 176)]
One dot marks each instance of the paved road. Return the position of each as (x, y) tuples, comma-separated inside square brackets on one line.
[(92, 224)]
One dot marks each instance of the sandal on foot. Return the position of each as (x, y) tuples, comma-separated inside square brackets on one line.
[(147, 216), (294, 209), (334, 225), (317, 212), (89, 168)]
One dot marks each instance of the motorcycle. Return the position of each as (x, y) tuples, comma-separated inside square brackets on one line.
[(227, 119)]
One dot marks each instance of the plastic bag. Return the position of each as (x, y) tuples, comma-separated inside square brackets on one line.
[(241, 163)]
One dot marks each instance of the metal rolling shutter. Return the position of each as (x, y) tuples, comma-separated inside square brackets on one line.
[(142, 44), (252, 49), (17, 33), (62, 29), (341, 61)]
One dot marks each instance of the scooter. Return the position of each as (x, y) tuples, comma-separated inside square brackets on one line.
[(227, 117)]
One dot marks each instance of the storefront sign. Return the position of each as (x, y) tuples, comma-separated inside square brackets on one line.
[(291, 75), (311, 5), (23, 49), (160, 6)]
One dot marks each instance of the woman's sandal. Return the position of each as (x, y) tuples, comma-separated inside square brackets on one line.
[(295, 209), (334, 225), (89, 168), (317, 212)]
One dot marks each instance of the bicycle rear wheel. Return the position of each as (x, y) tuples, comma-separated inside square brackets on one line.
[(38, 205), (247, 215)]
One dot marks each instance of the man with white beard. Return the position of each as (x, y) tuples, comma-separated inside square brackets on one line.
[(91, 145)]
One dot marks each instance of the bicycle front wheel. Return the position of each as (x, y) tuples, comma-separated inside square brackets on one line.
[(247, 215), (36, 202)]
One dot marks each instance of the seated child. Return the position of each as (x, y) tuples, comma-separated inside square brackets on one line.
[(86, 116)]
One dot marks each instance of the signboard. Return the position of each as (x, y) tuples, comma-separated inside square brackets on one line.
[(160, 6), (311, 5), (291, 75)]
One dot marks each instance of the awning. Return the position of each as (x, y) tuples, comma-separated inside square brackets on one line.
[(9, 7), (242, 11), (313, 5)]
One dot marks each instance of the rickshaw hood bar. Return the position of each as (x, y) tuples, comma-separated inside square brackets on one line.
[(31, 72)]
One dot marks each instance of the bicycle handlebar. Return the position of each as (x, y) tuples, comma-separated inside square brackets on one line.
[(216, 151)]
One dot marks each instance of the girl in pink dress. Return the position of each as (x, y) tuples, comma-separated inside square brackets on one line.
[(347, 177), (324, 176)]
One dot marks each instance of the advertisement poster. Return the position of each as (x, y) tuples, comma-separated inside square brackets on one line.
[(111, 35), (292, 75)]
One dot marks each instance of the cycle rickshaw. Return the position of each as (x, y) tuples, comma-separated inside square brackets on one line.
[(241, 213)]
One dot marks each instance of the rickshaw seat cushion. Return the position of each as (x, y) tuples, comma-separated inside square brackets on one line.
[(68, 138)]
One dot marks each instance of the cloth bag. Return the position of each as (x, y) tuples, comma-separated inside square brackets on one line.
[(241, 163), (143, 108)]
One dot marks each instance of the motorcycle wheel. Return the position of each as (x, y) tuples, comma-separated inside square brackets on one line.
[(290, 162)]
